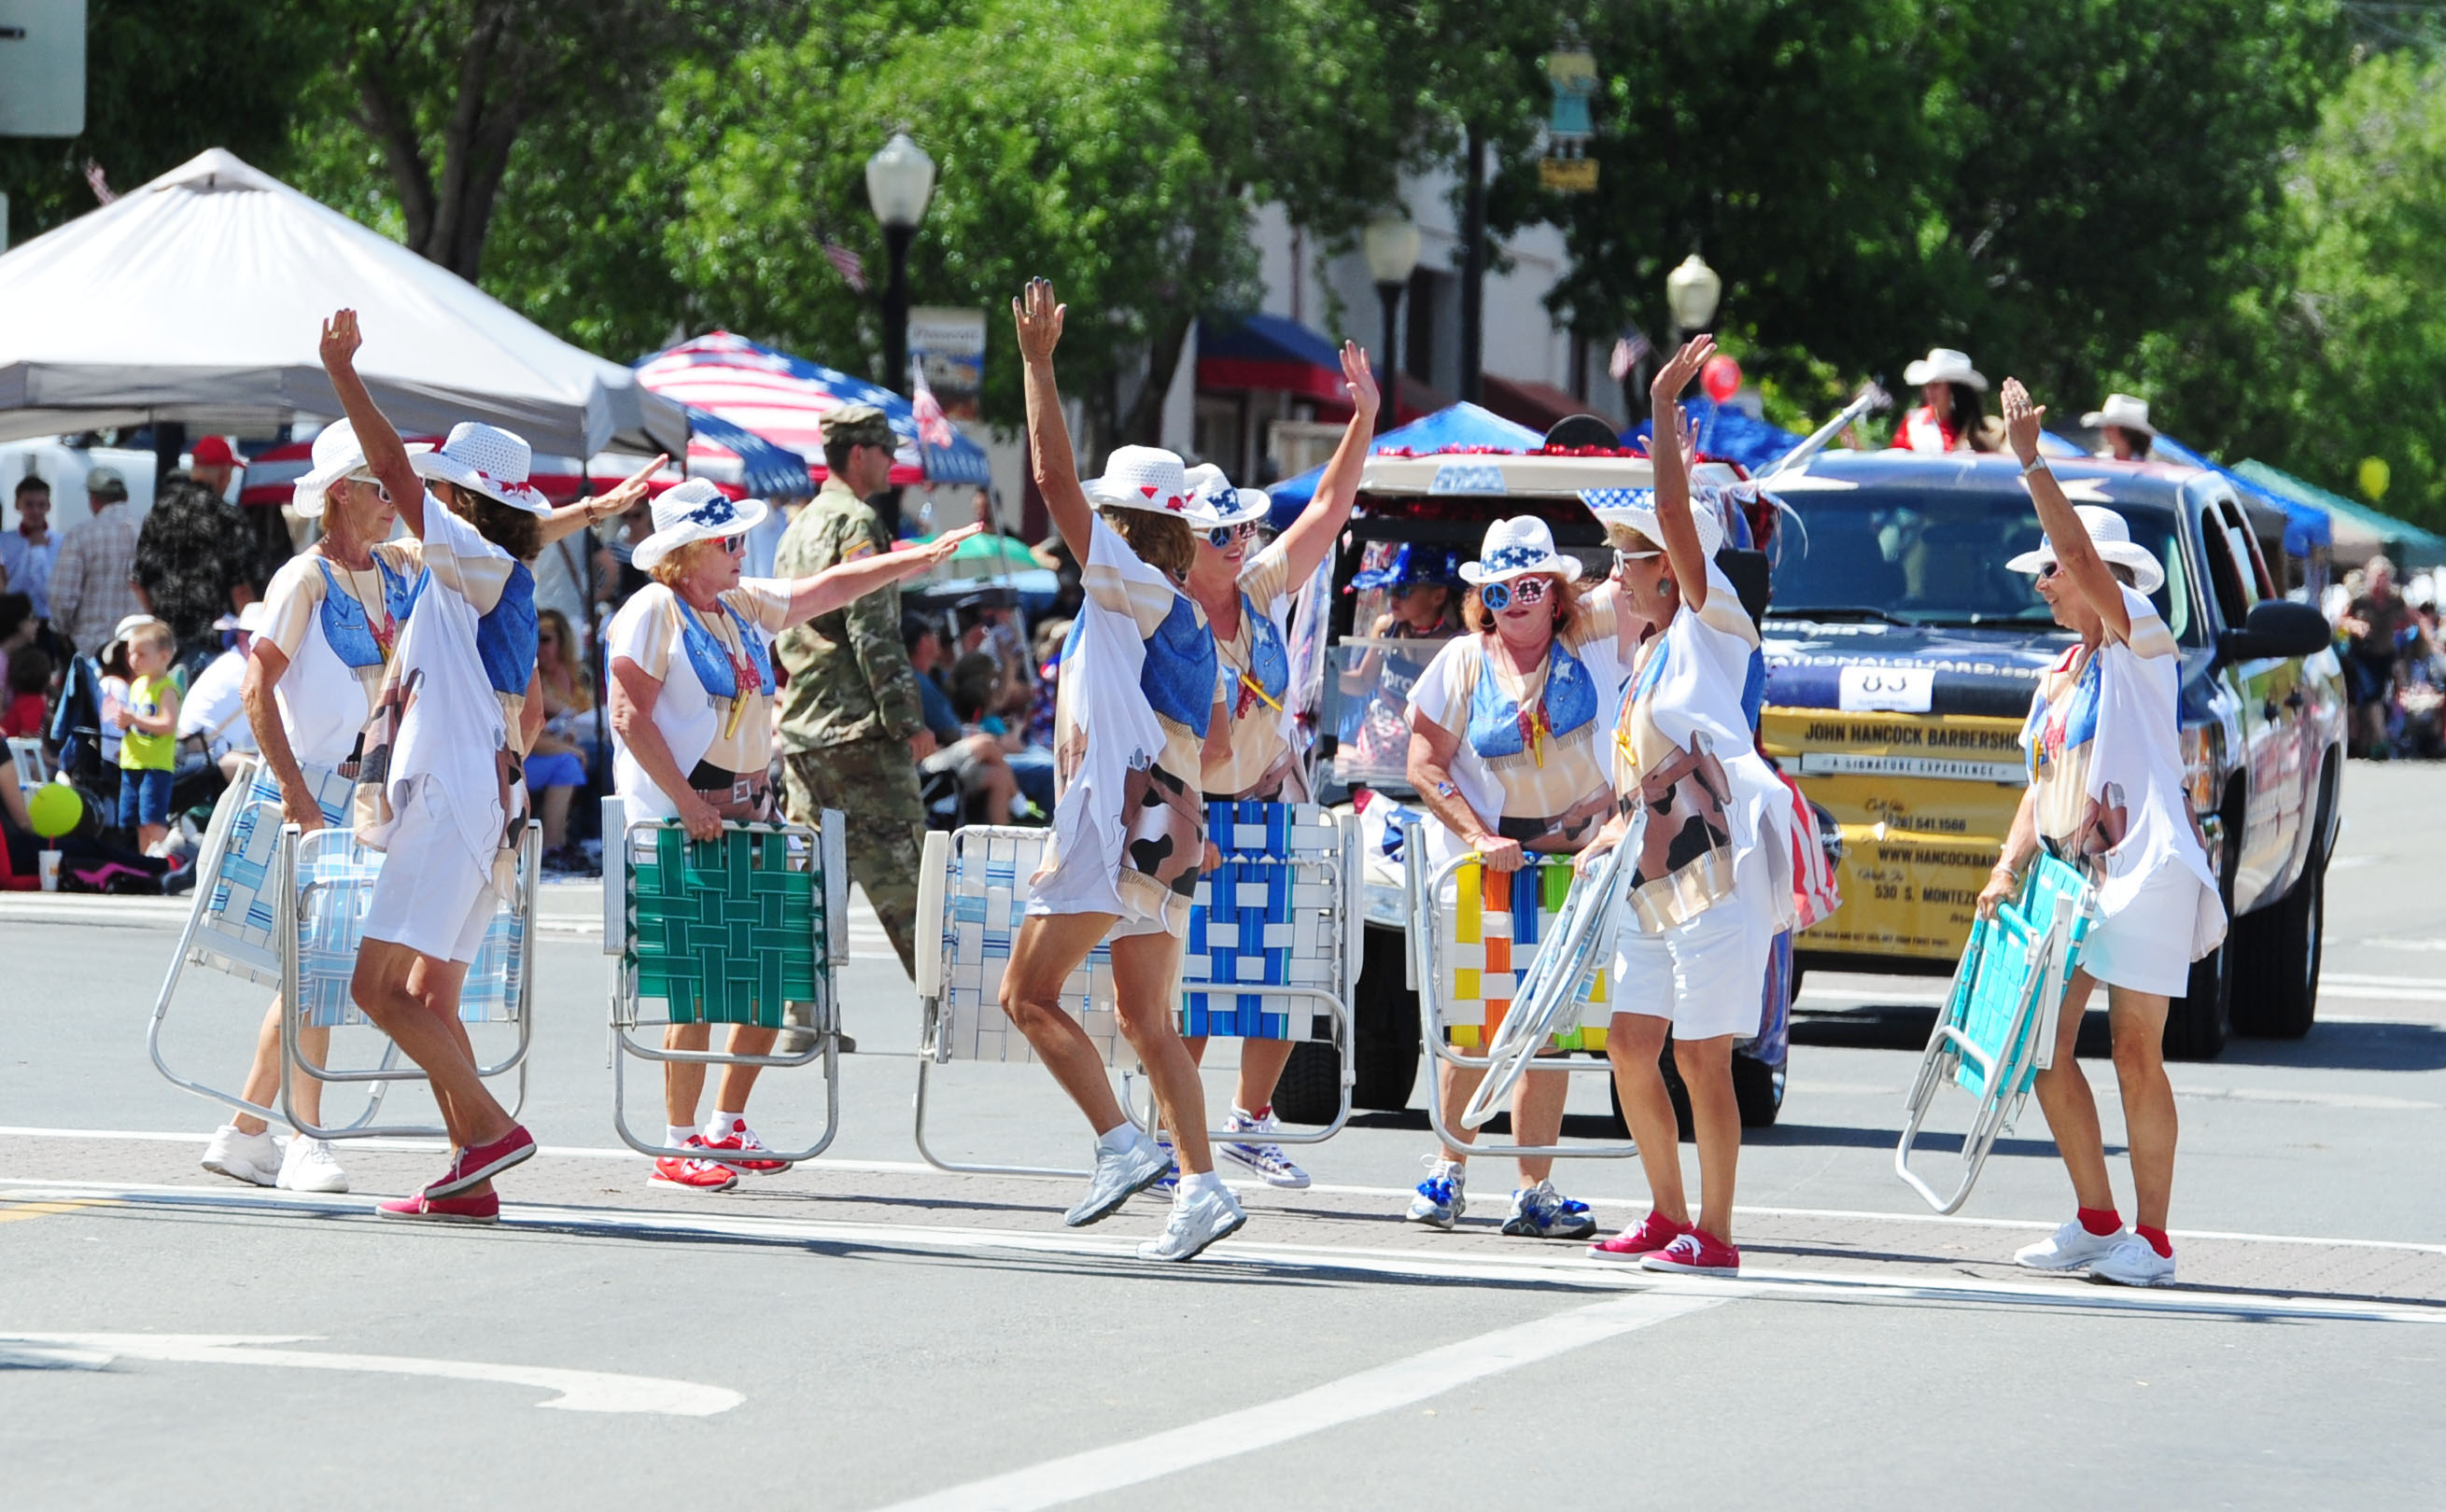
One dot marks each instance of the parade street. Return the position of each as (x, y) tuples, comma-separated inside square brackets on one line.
[(868, 1331)]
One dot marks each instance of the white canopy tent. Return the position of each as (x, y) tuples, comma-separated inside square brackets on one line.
[(200, 298)]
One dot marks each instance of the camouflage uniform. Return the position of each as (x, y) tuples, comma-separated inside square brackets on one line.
[(852, 702)]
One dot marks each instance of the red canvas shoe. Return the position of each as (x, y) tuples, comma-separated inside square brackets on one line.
[(485, 1208), (469, 1167), (695, 1175), (1654, 1232), (1696, 1253), (742, 1140)]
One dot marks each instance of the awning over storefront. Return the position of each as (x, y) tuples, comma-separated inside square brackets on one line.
[(1269, 352)]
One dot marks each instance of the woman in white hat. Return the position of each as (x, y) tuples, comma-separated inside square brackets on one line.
[(2123, 424), (1711, 883), (1505, 753), (2106, 793), (1136, 705), (691, 662), (1946, 419), (1247, 596)]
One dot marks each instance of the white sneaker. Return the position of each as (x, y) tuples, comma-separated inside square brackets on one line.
[(1198, 1219), (1119, 1176), (1262, 1156), (309, 1166), (2133, 1263), (242, 1157), (2069, 1248), (1440, 1198)]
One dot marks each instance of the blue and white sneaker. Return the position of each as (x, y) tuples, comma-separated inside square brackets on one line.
[(1267, 1159), (1440, 1200), (1119, 1176), (1169, 1182), (1541, 1212)]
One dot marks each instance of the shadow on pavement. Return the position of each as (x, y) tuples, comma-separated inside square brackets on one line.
[(2349, 1047), (1931, 1141)]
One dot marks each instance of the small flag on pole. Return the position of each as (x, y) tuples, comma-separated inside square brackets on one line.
[(99, 185), (933, 426), (850, 267), (1629, 352)]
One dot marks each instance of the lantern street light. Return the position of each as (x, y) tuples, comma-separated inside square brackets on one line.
[(899, 182), (1391, 244), (1690, 294)]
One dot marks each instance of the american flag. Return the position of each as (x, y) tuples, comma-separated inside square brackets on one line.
[(99, 185), (851, 270), (1629, 352), (933, 426)]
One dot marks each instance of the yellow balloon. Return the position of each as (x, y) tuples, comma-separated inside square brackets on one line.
[(2375, 476)]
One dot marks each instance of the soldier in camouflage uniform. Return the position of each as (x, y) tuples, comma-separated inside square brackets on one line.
[(852, 707)]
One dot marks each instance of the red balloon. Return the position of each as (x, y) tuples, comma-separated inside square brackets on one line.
[(1721, 377)]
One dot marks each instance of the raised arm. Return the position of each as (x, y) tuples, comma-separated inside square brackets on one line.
[(385, 454), (1680, 541), (1312, 535), (1048, 435), (2076, 558), (836, 585), (582, 512)]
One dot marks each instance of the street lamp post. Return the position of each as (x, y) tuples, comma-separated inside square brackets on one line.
[(899, 182), (1392, 248), (1690, 294)]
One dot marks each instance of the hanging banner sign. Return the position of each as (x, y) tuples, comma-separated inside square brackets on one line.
[(951, 345)]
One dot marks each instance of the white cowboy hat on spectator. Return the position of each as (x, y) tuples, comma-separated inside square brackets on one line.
[(2114, 541), (336, 456), (1151, 478), (1515, 547), (1229, 505), (1635, 509), (1943, 365), (2126, 410), (488, 460), (691, 512)]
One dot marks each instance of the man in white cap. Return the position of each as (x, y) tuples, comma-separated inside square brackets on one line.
[(212, 718), (91, 590), (2123, 424), (1948, 418)]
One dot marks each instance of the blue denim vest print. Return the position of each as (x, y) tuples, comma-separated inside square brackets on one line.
[(711, 658), (346, 628), (1179, 675), (505, 638), (1270, 665), (1495, 719)]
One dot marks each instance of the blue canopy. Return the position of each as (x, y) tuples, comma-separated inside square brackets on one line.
[(1728, 433), (2305, 524), (769, 471), (1462, 424)]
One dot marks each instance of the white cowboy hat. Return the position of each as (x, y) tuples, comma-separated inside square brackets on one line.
[(1151, 478), (1515, 547), (1635, 509), (691, 512), (2113, 539), (2125, 410), (1229, 505), (1943, 365), (336, 456), (488, 460)]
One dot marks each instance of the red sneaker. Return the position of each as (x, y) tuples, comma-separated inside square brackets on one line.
[(468, 1167), (744, 1139), (485, 1208), (696, 1175), (1696, 1253), (1654, 1233)]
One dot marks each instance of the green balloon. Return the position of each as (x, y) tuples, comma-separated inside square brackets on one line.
[(54, 809)]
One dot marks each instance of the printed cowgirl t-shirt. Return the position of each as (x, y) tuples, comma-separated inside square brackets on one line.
[(715, 711), (336, 628), (1255, 683), (2106, 766), (1528, 755), (1137, 690)]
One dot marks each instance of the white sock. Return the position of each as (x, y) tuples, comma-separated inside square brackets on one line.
[(725, 1125), (679, 1133), (1193, 1182), (1121, 1137)]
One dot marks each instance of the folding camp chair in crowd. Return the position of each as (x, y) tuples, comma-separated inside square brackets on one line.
[(1271, 953), (285, 908), (1997, 1030), (1477, 937), (725, 932)]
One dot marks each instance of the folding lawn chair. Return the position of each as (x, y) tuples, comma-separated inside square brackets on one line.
[(1997, 1031), (727, 931)]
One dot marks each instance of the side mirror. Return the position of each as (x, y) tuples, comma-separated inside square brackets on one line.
[(2276, 627)]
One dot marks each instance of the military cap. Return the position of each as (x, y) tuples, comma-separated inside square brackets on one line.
[(854, 425)]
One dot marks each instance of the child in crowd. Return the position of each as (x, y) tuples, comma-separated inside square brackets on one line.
[(30, 682), (148, 722)]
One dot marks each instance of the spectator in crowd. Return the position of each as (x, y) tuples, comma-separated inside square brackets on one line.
[(18, 629), (196, 560), (90, 587), (1948, 418), (616, 578), (971, 756), (2380, 626), (212, 718), (212, 464), (557, 763), (29, 703), (29, 553), (2123, 422), (148, 724), (1047, 652)]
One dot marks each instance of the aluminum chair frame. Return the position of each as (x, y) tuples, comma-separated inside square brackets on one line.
[(827, 849), (1426, 954), (1549, 991)]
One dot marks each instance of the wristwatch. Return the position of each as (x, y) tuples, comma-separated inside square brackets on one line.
[(2036, 464)]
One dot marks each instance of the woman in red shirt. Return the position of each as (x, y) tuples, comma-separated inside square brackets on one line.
[(1950, 417)]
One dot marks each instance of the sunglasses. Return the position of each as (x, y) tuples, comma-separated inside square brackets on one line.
[(734, 543), (1223, 535), (2049, 569), (1530, 590), (1623, 558)]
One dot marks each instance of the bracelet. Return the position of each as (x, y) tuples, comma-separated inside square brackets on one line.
[(2036, 464)]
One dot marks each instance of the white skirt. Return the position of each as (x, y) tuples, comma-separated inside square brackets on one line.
[(1084, 878), (1709, 975), (2146, 945), (431, 896)]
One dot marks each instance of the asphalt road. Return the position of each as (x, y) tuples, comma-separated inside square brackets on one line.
[(865, 1331)]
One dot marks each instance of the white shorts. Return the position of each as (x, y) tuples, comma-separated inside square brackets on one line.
[(2146, 946), (1707, 976), (431, 896), (1085, 880)]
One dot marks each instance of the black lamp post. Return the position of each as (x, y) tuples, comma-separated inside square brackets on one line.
[(899, 182), (1391, 246)]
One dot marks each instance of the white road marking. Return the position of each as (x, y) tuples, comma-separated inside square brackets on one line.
[(577, 1390), (1365, 1394), (2313, 1099)]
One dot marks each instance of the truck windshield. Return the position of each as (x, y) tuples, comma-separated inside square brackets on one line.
[(1936, 556)]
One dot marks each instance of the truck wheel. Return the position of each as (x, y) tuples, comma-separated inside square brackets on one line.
[(1759, 1087), (1385, 1016), (2276, 979), (1310, 1090)]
